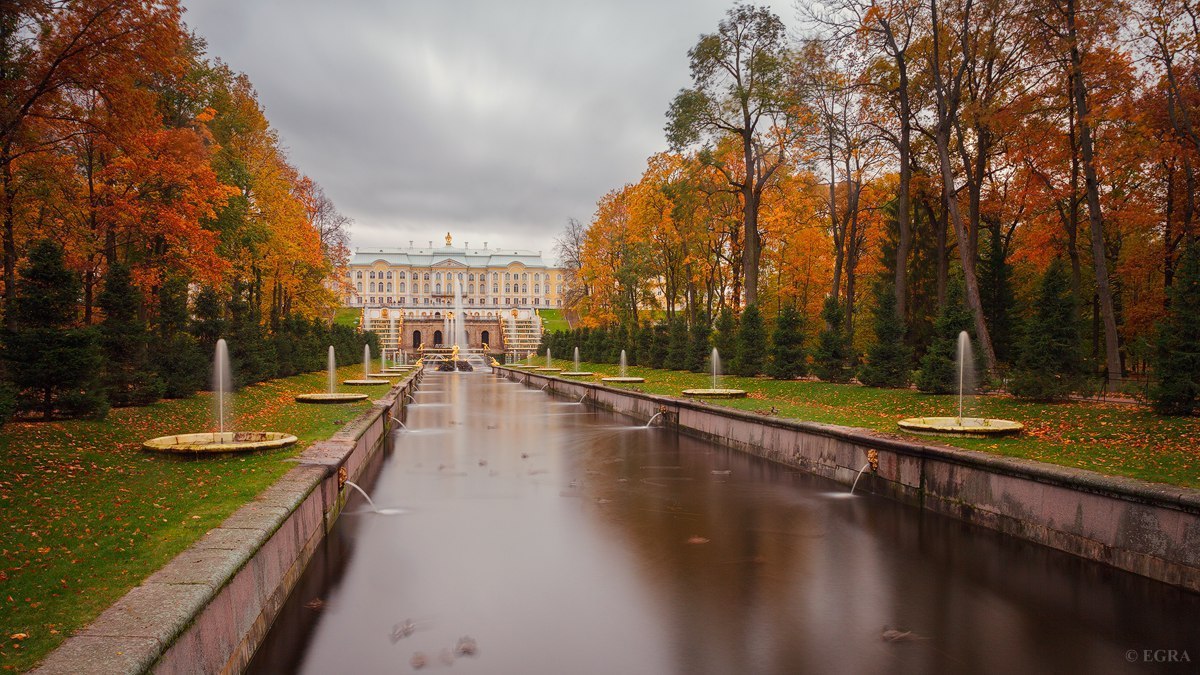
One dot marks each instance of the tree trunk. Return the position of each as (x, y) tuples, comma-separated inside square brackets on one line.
[(903, 198), (1112, 350), (10, 243)]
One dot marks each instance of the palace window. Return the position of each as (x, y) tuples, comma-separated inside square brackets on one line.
[(360, 287), (537, 277), (524, 276), (506, 276), (401, 289), (508, 288), (372, 286), (535, 301), (427, 290), (389, 300), (437, 288), (471, 289), (460, 276), (495, 288), (524, 288), (372, 274), (495, 276), (389, 288), (471, 276), (360, 274), (427, 276), (401, 275), (536, 289), (389, 274)]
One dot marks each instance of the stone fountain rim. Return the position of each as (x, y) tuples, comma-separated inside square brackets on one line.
[(577, 373), (715, 393), (950, 426), (326, 397), (366, 382), (219, 443), (548, 370), (622, 379)]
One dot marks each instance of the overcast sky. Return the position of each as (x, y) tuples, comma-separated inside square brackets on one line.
[(496, 120)]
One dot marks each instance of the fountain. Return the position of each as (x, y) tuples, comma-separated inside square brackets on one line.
[(220, 441), (549, 367), (623, 377), (366, 380), (332, 395), (400, 364), (715, 391), (577, 372), (960, 425)]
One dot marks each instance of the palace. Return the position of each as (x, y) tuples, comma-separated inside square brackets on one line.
[(408, 295)]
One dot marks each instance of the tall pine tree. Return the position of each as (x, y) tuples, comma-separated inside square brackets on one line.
[(1048, 366), (129, 376), (831, 358), (787, 345), (53, 362), (699, 347), (751, 343), (178, 358), (937, 374), (889, 360), (1176, 388), (677, 344), (725, 336)]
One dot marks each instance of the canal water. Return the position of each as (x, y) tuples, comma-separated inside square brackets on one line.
[(567, 540)]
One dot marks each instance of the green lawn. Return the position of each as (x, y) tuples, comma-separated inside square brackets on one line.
[(1111, 438), (553, 320), (347, 316), (85, 514)]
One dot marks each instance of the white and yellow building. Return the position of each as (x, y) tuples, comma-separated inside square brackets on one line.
[(406, 293)]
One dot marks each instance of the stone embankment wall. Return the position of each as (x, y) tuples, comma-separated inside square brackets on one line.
[(1147, 528), (209, 608)]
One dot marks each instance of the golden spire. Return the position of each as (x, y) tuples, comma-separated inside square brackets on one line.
[(447, 239)]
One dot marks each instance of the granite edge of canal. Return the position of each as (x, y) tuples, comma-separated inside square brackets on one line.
[(209, 608), (1150, 529)]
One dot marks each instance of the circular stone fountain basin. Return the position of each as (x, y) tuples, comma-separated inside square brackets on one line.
[(620, 380), (229, 441), (965, 426), (336, 397), (715, 393), (548, 370), (576, 373), (366, 383)]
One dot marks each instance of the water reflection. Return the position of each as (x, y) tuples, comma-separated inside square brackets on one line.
[(582, 543)]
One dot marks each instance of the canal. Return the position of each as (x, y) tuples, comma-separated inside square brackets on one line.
[(562, 539)]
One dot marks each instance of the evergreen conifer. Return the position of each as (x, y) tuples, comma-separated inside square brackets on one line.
[(831, 358), (937, 374), (53, 363), (128, 376), (889, 360), (751, 344), (1177, 347), (177, 356), (699, 348), (1048, 366), (787, 345), (677, 344), (724, 337)]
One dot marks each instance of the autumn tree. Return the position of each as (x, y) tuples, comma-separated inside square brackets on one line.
[(740, 89)]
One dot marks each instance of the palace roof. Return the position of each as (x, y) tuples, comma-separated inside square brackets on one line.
[(430, 257)]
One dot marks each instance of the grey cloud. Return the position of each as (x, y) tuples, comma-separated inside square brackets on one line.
[(494, 120)]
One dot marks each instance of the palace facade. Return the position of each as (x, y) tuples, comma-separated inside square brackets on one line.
[(407, 295), (416, 278)]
